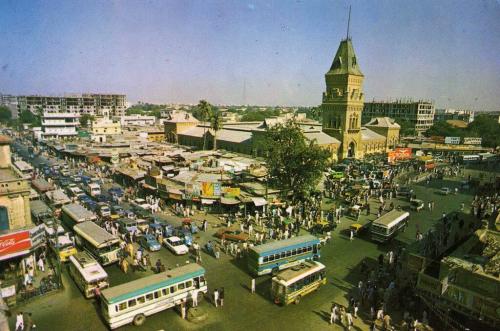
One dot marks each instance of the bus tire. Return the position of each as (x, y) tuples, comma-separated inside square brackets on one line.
[(297, 300), (139, 319), (275, 271)]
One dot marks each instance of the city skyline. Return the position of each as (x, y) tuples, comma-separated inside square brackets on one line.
[(251, 52)]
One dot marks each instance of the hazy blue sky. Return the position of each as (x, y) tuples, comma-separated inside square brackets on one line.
[(183, 51)]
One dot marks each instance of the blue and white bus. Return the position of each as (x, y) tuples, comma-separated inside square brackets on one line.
[(133, 301), (279, 255)]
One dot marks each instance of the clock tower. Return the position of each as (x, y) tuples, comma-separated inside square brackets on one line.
[(343, 101)]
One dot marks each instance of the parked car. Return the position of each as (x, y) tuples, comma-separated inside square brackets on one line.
[(127, 225), (141, 203), (104, 210), (176, 245), (116, 191), (232, 234), (142, 224), (117, 210), (149, 242), (445, 190), (166, 228), (416, 204)]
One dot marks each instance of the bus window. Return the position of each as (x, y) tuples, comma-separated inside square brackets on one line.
[(288, 253), (121, 306), (140, 300), (189, 283), (315, 249), (173, 289), (149, 296), (266, 259), (181, 286), (294, 252), (157, 294), (283, 255), (131, 303), (164, 291), (309, 248)]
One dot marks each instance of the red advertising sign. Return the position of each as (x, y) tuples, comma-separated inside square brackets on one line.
[(391, 157), (402, 153), (15, 242)]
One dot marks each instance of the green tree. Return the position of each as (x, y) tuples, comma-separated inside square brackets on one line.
[(407, 127), (294, 164), (28, 117), (85, 120), (205, 112), (443, 128), (215, 125), (486, 127), (5, 114)]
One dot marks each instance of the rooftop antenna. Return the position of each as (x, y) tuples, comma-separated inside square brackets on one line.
[(348, 22)]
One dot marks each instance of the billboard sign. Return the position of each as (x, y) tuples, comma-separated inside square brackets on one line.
[(402, 153), (472, 141), (452, 140), (14, 242), (231, 191), (210, 189)]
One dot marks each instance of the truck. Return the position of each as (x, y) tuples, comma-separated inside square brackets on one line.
[(92, 189), (75, 213)]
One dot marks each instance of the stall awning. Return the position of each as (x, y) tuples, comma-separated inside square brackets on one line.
[(259, 201), (229, 201), (207, 201), (149, 187), (175, 191)]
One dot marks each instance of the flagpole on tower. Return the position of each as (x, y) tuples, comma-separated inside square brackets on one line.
[(348, 22)]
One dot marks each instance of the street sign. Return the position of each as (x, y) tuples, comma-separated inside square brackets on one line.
[(472, 141), (452, 140)]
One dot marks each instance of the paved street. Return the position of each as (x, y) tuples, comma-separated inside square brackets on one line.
[(242, 310)]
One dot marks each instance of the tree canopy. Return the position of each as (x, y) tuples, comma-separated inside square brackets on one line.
[(484, 126), (407, 127), (85, 120), (294, 164), (5, 114)]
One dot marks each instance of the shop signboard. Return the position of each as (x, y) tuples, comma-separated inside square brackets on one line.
[(231, 191), (452, 140), (210, 189), (14, 242), (402, 153), (472, 140), (192, 190)]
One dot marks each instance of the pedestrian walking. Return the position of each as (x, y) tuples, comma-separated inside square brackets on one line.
[(351, 238), (41, 264), (194, 298), (216, 297), (183, 309), (20, 321), (334, 314), (252, 288), (221, 297), (350, 321)]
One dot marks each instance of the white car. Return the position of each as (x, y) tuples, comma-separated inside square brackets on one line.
[(176, 245), (142, 204), (445, 190)]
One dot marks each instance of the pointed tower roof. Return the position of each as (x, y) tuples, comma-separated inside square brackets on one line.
[(345, 61)]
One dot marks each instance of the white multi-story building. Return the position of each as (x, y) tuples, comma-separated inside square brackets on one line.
[(92, 104), (59, 125), (137, 120), (10, 101)]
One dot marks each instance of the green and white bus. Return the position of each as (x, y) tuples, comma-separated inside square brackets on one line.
[(278, 255), (291, 285), (387, 226), (133, 301), (101, 244)]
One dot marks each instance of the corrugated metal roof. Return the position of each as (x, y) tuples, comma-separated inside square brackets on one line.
[(321, 138), (367, 134)]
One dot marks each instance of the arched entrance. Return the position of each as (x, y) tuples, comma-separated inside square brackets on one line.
[(351, 151)]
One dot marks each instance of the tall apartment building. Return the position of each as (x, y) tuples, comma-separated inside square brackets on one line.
[(419, 113), (92, 104)]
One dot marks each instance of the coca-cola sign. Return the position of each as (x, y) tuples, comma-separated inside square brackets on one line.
[(15, 242)]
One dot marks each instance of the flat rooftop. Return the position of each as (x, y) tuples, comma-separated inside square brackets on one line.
[(8, 174)]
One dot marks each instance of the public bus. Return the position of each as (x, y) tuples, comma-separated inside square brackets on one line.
[(87, 274), (63, 246), (75, 213), (426, 162), (291, 285), (98, 242), (133, 301), (387, 226), (93, 189), (278, 255), (470, 159)]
